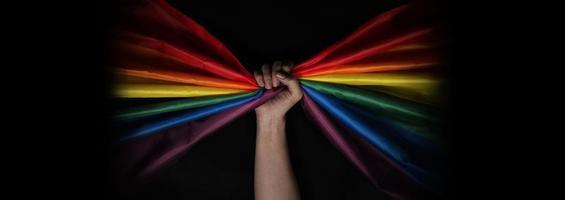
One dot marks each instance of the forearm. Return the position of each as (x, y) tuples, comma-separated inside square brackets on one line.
[(274, 178)]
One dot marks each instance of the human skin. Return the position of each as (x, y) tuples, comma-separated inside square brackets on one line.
[(274, 178)]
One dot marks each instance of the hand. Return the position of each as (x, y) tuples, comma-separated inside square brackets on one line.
[(271, 77), (274, 178)]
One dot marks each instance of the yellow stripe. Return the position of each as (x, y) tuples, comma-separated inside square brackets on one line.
[(169, 91)]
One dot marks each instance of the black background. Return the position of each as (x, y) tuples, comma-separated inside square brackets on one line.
[(58, 87)]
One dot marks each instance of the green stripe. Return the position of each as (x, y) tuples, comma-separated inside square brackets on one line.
[(171, 106)]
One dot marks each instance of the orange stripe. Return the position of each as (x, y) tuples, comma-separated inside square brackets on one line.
[(186, 78)]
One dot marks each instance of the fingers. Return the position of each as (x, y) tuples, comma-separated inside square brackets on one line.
[(280, 73), (276, 67), (291, 83), (267, 76), (259, 79), (285, 76), (287, 67)]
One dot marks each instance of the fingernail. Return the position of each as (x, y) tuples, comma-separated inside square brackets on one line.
[(280, 76)]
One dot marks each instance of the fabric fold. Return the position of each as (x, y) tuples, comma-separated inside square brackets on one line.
[(180, 77), (187, 117), (384, 173), (423, 84), (171, 106), (169, 90), (409, 23), (401, 59), (143, 158), (158, 19), (376, 138), (382, 104), (370, 51), (191, 58)]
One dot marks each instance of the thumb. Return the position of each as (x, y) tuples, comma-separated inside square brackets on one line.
[(290, 82)]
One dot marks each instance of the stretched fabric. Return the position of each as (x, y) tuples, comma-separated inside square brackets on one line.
[(187, 78), (375, 94), (414, 81), (156, 25), (432, 98), (391, 106), (187, 117), (407, 57), (166, 90), (410, 23), (171, 106), (381, 171), (374, 137), (145, 157)]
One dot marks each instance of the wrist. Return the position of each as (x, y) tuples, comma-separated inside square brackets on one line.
[(271, 125), (269, 117), (270, 120)]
